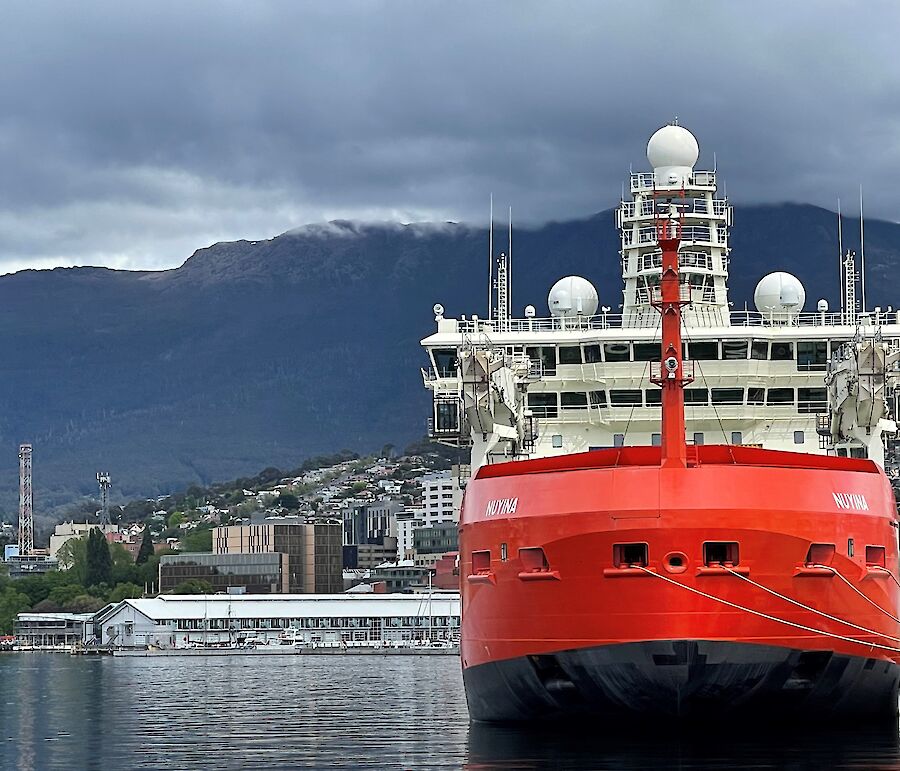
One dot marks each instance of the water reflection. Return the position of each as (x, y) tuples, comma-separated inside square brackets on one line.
[(289, 712), (588, 747)]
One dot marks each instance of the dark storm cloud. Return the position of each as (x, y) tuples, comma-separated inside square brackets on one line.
[(132, 133)]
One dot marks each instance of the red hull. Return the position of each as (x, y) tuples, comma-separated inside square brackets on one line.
[(521, 604)]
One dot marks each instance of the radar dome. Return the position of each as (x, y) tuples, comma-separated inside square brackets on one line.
[(779, 293), (573, 296), (672, 146)]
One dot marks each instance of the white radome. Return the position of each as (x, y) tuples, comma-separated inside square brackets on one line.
[(779, 293), (573, 296), (672, 146)]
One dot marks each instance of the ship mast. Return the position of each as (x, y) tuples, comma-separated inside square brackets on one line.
[(670, 374)]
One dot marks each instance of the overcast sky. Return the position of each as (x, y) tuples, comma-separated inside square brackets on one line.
[(133, 133)]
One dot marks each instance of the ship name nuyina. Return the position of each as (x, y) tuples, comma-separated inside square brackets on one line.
[(851, 501), (501, 506)]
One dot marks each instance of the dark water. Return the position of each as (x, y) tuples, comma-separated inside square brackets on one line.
[(62, 712)]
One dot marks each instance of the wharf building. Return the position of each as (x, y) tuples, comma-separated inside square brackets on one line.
[(331, 620), (53, 630)]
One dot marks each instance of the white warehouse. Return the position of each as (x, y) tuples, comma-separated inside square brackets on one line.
[(177, 621)]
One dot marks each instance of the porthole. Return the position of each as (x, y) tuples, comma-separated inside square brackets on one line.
[(675, 562)]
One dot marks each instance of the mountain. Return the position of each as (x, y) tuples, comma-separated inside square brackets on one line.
[(259, 353)]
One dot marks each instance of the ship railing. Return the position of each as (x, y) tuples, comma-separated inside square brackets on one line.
[(702, 234), (744, 318), (646, 180)]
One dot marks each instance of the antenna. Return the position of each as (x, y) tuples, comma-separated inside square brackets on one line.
[(715, 162), (26, 503), (491, 263), (862, 252), (104, 482), (509, 264), (841, 257)]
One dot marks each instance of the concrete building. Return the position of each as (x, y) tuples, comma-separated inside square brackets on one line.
[(370, 522), (366, 556), (432, 543), (21, 566), (262, 573), (65, 531), (54, 630), (408, 520), (171, 621), (313, 549), (441, 497), (403, 576)]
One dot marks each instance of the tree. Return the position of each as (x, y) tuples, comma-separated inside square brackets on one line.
[(193, 586), (125, 592), (288, 501), (99, 562), (175, 519), (146, 550), (123, 568), (12, 603), (198, 541)]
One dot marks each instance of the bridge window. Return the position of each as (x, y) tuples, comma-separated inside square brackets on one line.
[(625, 397), (756, 396), (780, 396), (445, 362), (647, 352), (812, 400), (707, 350), (570, 354), (835, 345), (782, 351), (574, 400), (546, 355), (446, 416), (812, 355), (597, 398), (616, 351), (653, 397), (696, 396), (728, 396), (543, 405), (759, 349), (735, 349), (592, 354)]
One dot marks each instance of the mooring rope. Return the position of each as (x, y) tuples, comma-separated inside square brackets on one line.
[(885, 570), (810, 608), (794, 624), (861, 594)]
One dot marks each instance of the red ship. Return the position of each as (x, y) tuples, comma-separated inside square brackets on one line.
[(680, 580)]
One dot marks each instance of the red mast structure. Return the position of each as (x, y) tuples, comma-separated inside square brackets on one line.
[(670, 375)]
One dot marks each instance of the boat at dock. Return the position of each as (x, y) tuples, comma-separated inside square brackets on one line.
[(677, 511)]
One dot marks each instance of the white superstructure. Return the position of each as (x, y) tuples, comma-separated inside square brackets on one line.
[(579, 378)]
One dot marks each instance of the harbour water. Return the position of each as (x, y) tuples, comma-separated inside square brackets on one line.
[(62, 712)]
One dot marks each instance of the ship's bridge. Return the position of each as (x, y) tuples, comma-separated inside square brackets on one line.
[(674, 186)]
